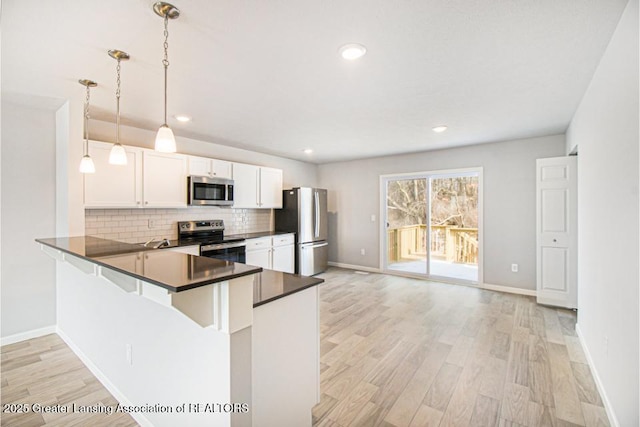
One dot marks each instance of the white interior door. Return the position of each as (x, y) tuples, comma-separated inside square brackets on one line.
[(557, 231)]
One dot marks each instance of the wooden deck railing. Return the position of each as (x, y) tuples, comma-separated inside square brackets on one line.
[(452, 244)]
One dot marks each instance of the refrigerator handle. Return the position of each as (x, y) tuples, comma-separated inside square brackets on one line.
[(316, 202), (320, 245)]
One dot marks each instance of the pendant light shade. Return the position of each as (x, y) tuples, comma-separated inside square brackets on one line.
[(86, 164), (118, 155), (165, 141)]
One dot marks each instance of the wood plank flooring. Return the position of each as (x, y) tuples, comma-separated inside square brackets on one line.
[(394, 352), (45, 371), (406, 352)]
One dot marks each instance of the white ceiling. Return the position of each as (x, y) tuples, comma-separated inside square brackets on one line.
[(266, 75)]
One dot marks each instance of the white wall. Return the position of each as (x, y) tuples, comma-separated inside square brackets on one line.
[(296, 173), (28, 212), (605, 130), (509, 202)]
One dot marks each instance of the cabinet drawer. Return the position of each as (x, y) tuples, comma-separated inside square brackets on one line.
[(254, 244), (283, 240)]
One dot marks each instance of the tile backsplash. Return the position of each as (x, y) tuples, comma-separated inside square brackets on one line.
[(140, 225)]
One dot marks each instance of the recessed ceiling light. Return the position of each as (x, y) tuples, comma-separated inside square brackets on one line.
[(182, 118), (440, 129), (308, 150), (352, 51)]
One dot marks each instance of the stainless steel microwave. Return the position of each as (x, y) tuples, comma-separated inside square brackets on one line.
[(205, 191)]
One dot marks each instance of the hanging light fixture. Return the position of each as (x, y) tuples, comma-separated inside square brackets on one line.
[(118, 156), (86, 164), (165, 141)]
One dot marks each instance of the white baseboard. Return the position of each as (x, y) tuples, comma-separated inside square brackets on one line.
[(499, 288), (117, 394), (507, 289), (23, 336), (613, 420), (354, 267)]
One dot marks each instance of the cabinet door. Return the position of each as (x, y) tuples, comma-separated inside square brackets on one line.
[(165, 180), (246, 180), (221, 169), (199, 166), (283, 259), (259, 258), (270, 188), (113, 186)]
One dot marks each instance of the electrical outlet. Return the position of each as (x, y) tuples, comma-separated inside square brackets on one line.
[(152, 223), (373, 218), (362, 251), (514, 268), (129, 354), (606, 345)]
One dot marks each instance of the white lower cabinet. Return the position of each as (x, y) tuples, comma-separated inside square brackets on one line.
[(259, 252), (273, 253)]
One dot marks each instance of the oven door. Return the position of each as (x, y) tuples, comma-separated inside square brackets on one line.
[(210, 191), (235, 252)]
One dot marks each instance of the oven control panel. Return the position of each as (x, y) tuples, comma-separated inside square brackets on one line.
[(208, 225)]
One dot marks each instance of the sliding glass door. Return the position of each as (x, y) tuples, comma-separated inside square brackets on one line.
[(407, 225), (432, 224)]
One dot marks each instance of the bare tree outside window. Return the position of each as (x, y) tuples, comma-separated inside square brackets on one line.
[(452, 234)]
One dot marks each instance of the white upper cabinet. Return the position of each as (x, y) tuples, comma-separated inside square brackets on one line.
[(203, 166), (245, 181), (270, 188), (149, 179), (159, 180), (113, 186), (164, 180), (221, 168), (257, 187)]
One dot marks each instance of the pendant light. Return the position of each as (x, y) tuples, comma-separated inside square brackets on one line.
[(165, 141), (86, 164), (118, 156)]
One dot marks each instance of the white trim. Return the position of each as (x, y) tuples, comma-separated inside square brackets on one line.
[(117, 394), (354, 267), (487, 286), (23, 336), (613, 420), (508, 289)]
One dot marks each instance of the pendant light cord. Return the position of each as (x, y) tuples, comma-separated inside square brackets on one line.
[(86, 124), (118, 103), (165, 62)]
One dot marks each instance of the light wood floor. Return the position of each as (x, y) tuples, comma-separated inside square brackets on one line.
[(405, 352), (394, 352), (45, 371)]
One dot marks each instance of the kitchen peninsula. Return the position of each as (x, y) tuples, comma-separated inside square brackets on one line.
[(172, 330)]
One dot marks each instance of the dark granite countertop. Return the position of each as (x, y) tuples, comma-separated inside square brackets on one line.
[(176, 271), (174, 243), (275, 284), (257, 235)]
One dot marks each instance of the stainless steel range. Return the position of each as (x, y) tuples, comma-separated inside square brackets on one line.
[(213, 244)]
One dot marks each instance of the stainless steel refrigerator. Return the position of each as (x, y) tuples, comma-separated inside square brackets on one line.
[(304, 211)]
